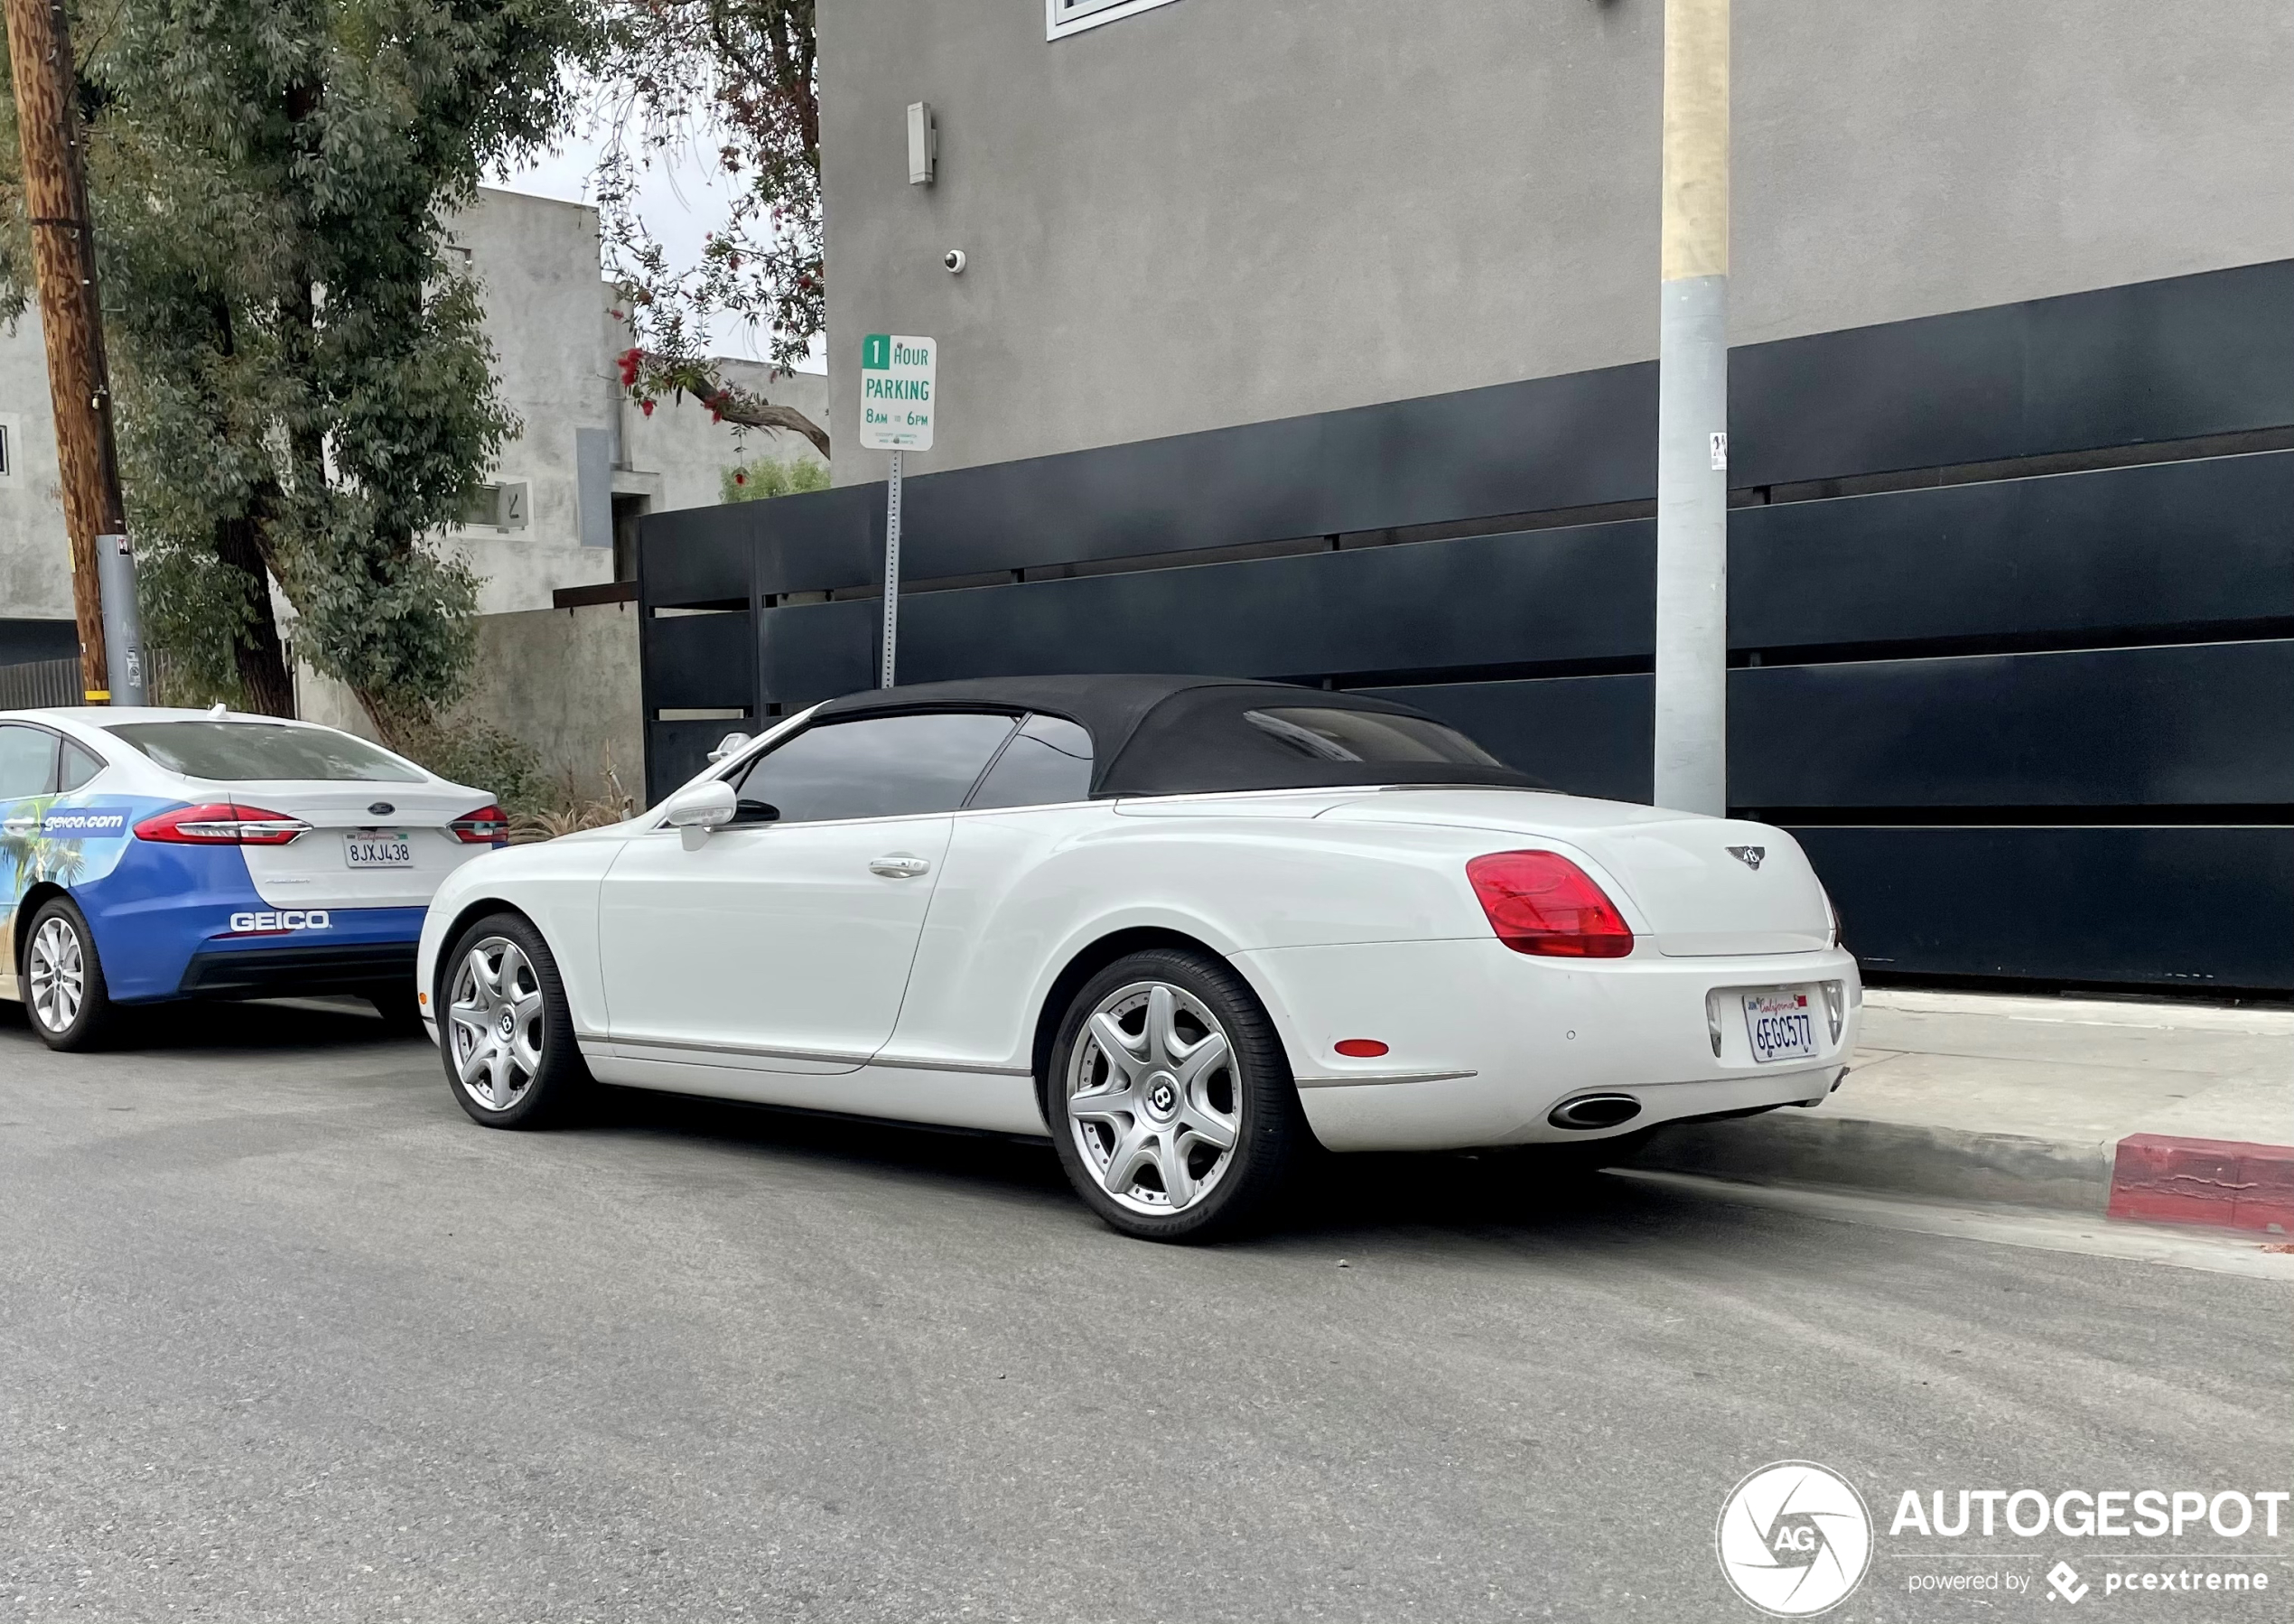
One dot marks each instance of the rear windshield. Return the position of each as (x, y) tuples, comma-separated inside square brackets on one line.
[(1330, 735), (258, 750)]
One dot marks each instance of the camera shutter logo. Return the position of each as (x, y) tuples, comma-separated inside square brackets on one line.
[(1795, 1539)]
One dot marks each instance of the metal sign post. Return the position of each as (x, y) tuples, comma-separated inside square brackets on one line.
[(892, 573), (898, 374)]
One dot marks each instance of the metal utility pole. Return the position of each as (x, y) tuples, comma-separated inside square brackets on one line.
[(63, 260), (1693, 416)]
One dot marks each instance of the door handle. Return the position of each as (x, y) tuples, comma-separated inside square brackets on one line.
[(899, 865), (20, 826)]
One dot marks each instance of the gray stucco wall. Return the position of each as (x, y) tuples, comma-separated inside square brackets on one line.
[(561, 680), (1220, 211), (36, 555)]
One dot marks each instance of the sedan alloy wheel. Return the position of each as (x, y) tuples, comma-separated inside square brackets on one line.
[(58, 972)]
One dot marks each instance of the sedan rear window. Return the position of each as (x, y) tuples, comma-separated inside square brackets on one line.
[(1330, 735), (260, 750)]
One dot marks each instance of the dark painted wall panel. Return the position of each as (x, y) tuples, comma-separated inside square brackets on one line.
[(2182, 907), (2187, 356), (2205, 724), (1567, 594), (703, 557), (2208, 725), (2168, 544), (2076, 555), (700, 659), (2171, 359)]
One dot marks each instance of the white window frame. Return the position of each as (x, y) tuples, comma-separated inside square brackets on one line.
[(1089, 14)]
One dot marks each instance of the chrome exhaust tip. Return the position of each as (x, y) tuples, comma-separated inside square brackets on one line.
[(1595, 1111)]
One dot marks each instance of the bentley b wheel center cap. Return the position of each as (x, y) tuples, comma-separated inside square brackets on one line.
[(1163, 1096), (508, 1025)]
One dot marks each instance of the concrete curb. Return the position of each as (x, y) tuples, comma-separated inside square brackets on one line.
[(2230, 1185), (2153, 1178), (1857, 1154)]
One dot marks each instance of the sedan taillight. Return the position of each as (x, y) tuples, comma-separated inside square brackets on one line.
[(221, 823), (1541, 902), (489, 825)]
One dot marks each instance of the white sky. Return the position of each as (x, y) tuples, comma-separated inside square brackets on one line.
[(683, 196)]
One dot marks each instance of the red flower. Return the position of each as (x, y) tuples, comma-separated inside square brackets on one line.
[(740, 478), (648, 406)]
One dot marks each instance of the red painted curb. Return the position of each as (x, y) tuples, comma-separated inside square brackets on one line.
[(2219, 1182)]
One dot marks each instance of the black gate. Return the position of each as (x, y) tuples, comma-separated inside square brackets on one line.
[(2011, 602)]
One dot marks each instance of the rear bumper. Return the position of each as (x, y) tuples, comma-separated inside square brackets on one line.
[(270, 972), (1483, 1043)]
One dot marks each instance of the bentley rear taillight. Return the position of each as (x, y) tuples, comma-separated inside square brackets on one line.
[(221, 823), (1541, 902)]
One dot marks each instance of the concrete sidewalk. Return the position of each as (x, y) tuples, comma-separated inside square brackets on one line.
[(2142, 1108)]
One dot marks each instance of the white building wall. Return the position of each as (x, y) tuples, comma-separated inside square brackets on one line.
[(550, 317), (35, 561)]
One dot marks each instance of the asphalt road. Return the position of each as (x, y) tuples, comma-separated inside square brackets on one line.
[(284, 1336)]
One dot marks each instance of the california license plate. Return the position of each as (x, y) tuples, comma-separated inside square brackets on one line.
[(1782, 1026), (377, 848)]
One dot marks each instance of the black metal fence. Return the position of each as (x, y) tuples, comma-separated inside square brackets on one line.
[(2011, 603), (40, 683)]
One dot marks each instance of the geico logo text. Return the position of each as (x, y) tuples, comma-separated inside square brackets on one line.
[(293, 919)]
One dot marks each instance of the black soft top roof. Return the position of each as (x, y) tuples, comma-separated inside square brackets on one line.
[(1177, 736)]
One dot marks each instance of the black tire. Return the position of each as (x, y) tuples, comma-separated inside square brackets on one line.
[(556, 1079), (394, 1002), (59, 929), (1255, 1101)]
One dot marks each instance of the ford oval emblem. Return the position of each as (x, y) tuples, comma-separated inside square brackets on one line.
[(382, 808)]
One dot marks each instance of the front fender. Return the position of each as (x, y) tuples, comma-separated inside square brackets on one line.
[(556, 885)]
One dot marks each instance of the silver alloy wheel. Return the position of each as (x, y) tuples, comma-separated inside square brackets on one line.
[(494, 1019), (1153, 1098), (58, 974)]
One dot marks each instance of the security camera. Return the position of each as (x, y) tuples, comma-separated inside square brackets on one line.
[(955, 261)]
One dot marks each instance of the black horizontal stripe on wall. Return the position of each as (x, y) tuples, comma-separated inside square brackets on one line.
[(2067, 557), (2071, 559), (2175, 358), (2190, 908), (2190, 726)]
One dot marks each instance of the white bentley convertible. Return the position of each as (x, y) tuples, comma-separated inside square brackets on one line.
[(1185, 926)]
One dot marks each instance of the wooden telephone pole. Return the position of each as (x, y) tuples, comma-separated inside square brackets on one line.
[(63, 250)]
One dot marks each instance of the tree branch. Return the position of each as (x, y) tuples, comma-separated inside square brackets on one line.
[(751, 413)]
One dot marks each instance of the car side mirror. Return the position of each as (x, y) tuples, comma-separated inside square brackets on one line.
[(698, 808), (730, 745)]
